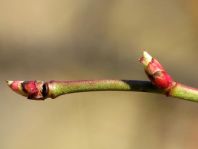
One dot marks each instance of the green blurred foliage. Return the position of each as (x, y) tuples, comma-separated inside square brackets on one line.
[(90, 39)]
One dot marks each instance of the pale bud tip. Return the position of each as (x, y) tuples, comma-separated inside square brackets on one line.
[(9, 82), (147, 56), (146, 59)]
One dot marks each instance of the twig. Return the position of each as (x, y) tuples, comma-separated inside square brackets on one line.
[(41, 90), (161, 82)]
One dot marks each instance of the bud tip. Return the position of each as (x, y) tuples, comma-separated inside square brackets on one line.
[(146, 58), (9, 82)]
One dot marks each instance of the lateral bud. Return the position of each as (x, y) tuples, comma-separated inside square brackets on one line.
[(156, 73)]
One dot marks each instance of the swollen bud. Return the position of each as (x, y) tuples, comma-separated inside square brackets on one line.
[(156, 73), (36, 90)]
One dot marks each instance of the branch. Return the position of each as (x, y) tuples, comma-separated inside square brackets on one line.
[(41, 90), (160, 82)]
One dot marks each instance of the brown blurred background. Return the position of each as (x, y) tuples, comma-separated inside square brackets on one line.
[(96, 39)]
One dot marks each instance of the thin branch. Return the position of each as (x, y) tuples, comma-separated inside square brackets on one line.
[(160, 82), (41, 90)]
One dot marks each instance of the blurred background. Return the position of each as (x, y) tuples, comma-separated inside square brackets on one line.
[(97, 39)]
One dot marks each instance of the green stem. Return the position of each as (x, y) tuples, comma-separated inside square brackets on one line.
[(40, 90), (57, 88), (53, 89), (184, 92)]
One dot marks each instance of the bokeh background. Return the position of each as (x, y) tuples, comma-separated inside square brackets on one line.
[(97, 39)]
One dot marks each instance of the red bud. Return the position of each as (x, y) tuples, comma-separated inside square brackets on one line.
[(30, 89), (156, 73)]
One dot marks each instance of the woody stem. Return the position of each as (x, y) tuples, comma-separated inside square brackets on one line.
[(57, 88)]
